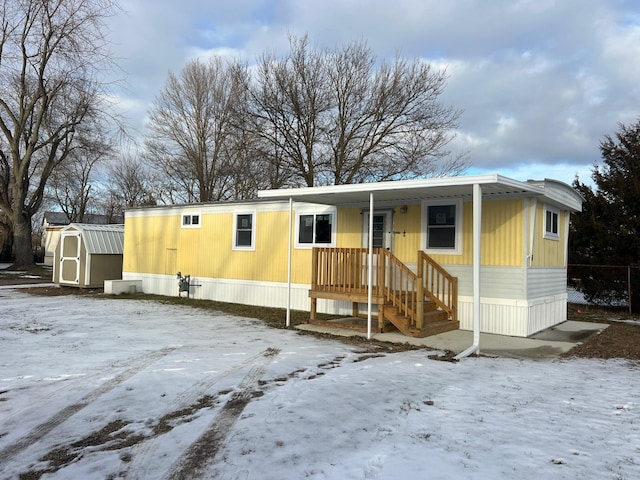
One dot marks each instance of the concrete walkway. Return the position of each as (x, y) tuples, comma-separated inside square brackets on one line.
[(548, 343)]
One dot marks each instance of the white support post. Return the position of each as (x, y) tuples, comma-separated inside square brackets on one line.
[(288, 321), (370, 272), (477, 261)]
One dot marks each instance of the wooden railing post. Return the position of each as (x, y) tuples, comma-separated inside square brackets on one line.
[(382, 264), (314, 268), (454, 301), (420, 304)]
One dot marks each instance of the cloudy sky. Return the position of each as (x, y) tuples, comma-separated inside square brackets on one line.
[(540, 82)]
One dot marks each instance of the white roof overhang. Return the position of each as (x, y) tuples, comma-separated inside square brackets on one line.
[(413, 191)]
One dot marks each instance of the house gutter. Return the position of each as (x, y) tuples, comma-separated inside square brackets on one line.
[(477, 244)]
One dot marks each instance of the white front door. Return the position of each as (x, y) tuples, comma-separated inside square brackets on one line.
[(382, 229), (70, 257)]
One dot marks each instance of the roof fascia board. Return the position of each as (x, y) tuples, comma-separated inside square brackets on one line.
[(380, 186), (400, 185), (260, 205)]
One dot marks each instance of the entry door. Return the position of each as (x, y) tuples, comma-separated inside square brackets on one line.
[(70, 257), (382, 229)]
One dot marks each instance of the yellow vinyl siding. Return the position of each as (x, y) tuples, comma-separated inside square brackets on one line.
[(406, 242), (159, 245), (549, 252), (349, 228), (502, 235), (150, 243), (267, 263)]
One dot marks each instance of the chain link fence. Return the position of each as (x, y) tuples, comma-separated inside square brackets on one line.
[(613, 286)]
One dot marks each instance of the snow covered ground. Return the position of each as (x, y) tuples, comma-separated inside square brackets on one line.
[(103, 389)]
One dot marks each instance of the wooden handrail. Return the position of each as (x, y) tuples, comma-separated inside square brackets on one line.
[(439, 285), (345, 270), (403, 289)]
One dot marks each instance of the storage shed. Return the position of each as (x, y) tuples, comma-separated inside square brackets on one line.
[(53, 222), (87, 255)]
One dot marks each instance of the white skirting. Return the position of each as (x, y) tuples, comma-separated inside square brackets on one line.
[(267, 294), (519, 318)]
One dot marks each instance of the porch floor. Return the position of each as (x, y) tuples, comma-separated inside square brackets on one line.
[(548, 343)]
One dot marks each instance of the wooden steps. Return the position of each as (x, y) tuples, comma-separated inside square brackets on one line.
[(434, 321), (338, 274)]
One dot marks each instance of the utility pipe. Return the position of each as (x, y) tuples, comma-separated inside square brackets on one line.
[(477, 244), (533, 203)]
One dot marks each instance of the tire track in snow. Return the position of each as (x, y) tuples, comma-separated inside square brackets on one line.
[(136, 365), (142, 454), (203, 451)]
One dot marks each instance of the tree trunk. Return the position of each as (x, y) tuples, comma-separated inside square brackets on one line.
[(6, 242), (22, 240), (6, 249)]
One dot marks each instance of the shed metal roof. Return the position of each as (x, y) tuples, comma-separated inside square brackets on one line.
[(100, 239)]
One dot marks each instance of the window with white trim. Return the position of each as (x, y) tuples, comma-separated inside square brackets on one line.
[(442, 226), (315, 229), (191, 220), (551, 223), (244, 231)]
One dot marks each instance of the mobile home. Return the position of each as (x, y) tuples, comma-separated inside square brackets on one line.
[(425, 255)]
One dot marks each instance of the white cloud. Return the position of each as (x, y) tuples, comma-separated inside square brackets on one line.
[(540, 82)]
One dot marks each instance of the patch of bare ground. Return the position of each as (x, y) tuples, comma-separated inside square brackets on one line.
[(57, 291), (618, 340), (25, 275), (621, 339)]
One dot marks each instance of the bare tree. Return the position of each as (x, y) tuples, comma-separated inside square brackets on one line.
[(387, 123), (73, 185), (259, 164), (51, 53), (338, 116), (313, 117), (288, 104), (191, 124), (130, 184)]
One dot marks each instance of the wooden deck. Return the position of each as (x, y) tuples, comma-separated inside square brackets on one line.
[(417, 304)]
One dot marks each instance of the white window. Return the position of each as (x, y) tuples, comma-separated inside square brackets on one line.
[(315, 229), (551, 222), (191, 220), (442, 226), (244, 231)]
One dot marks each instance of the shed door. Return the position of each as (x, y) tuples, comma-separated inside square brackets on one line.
[(70, 257)]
